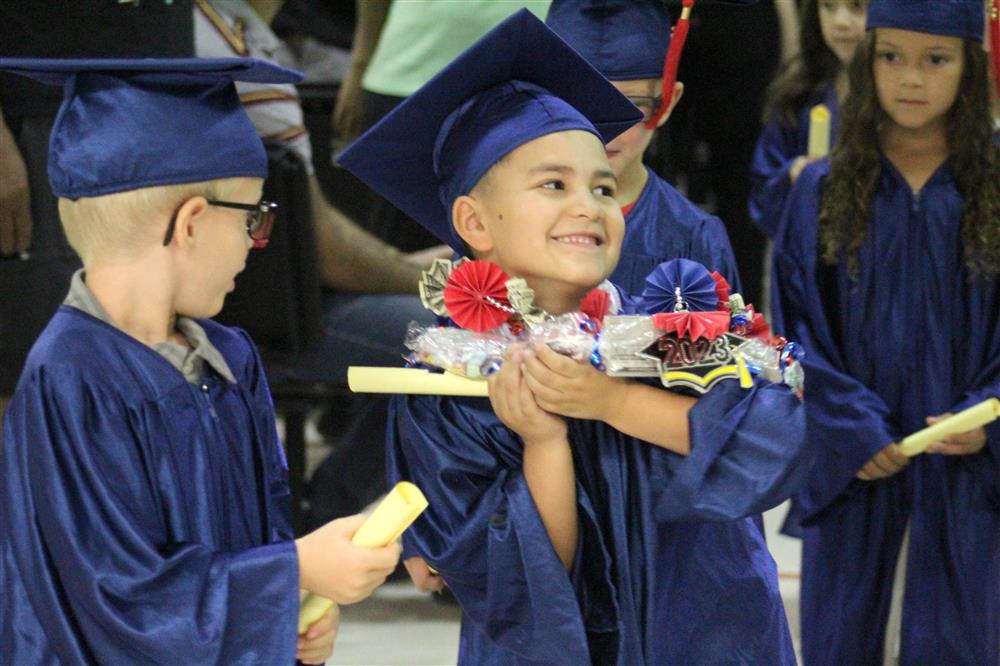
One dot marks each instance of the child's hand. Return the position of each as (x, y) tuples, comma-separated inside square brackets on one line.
[(570, 388), (884, 464), (333, 567), (798, 166), (315, 646), (962, 444), (422, 576), (515, 405)]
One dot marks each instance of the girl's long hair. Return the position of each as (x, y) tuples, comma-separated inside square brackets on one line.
[(805, 77), (855, 164)]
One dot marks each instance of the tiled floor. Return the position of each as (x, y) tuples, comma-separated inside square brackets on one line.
[(399, 625)]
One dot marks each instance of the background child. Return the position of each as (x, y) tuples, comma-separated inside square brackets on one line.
[(830, 33), (567, 540), (886, 269), (626, 41), (144, 505)]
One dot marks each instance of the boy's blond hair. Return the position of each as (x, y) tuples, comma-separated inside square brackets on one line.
[(123, 222)]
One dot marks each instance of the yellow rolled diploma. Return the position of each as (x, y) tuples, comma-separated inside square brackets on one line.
[(362, 379), (386, 524), (819, 131), (968, 419)]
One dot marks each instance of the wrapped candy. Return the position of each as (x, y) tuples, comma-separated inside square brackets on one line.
[(705, 335)]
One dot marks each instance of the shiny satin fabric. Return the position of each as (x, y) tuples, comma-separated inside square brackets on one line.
[(143, 519), (778, 146), (671, 566), (664, 225), (915, 335)]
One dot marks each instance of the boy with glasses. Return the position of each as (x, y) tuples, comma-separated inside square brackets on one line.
[(144, 503), (627, 41)]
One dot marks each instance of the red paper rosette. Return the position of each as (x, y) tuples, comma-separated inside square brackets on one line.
[(693, 325), (759, 328), (476, 296), (595, 304), (721, 289)]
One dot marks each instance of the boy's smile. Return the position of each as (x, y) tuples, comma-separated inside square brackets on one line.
[(547, 213)]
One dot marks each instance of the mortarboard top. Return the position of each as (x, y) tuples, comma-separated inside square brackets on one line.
[(955, 18), (626, 40), (517, 83), (128, 124)]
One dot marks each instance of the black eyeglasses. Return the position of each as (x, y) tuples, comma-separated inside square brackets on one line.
[(648, 105), (260, 219)]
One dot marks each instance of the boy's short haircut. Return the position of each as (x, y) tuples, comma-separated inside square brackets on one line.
[(122, 221)]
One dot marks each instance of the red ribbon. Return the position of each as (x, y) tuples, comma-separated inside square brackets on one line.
[(671, 62)]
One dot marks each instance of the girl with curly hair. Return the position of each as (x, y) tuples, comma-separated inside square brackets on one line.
[(887, 269), (830, 31)]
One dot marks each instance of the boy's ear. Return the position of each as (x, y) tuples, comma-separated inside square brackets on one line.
[(470, 224), (675, 98), (186, 220)]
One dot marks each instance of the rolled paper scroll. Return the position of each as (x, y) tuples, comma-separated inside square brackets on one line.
[(819, 131), (363, 379), (391, 517), (968, 419)]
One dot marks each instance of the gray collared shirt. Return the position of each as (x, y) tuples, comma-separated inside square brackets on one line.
[(189, 361)]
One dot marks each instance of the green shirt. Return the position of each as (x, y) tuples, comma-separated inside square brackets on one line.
[(420, 37)]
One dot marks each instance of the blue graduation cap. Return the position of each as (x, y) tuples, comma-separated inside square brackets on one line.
[(955, 18), (626, 40), (127, 124), (519, 82)]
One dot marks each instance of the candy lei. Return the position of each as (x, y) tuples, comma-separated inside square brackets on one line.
[(699, 335)]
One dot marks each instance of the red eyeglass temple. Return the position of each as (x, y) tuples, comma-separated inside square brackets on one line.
[(671, 62)]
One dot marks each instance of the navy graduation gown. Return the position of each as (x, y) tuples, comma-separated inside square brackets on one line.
[(778, 146), (669, 567), (914, 335), (143, 518), (664, 225)]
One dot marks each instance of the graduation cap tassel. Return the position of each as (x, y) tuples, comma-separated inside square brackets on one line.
[(995, 41), (672, 61)]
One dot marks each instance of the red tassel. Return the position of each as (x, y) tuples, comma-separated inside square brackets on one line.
[(671, 63)]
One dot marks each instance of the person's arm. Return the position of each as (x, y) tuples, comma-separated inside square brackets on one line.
[(548, 460), (15, 195), (347, 114), (483, 532), (569, 388), (351, 259)]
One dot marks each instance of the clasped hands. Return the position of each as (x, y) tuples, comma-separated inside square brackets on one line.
[(536, 387), (890, 460)]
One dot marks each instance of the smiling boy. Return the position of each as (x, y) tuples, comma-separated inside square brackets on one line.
[(577, 518)]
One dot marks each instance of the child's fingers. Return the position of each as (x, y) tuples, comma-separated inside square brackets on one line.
[(948, 448), (324, 625), (896, 457), (557, 363), (541, 373), (545, 395), (869, 472)]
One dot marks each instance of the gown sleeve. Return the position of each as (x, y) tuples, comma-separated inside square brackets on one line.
[(103, 563), (769, 183), (848, 422), (748, 454), (482, 530)]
